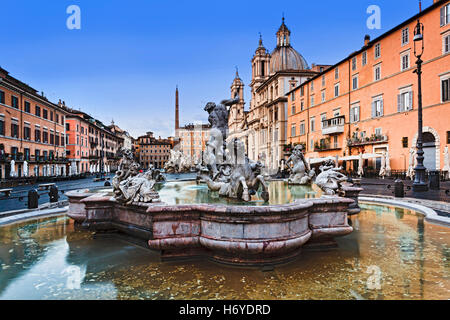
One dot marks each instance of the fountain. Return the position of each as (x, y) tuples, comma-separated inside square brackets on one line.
[(178, 163), (241, 230)]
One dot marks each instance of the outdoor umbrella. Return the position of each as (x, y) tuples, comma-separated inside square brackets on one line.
[(388, 165), (383, 165), (25, 169), (410, 173), (13, 169), (360, 165)]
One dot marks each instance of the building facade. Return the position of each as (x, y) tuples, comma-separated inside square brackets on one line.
[(190, 139), (127, 139), (103, 144), (78, 147), (153, 151), (32, 132), (367, 103), (264, 127)]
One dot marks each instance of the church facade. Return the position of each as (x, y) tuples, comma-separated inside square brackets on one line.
[(263, 128)]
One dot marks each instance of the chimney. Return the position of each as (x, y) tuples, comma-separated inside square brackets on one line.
[(177, 110), (366, 40)]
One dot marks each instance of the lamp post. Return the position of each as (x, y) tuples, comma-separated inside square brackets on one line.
[(419, 184)]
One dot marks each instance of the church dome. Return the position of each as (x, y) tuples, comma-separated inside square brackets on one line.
[(284, 57), (287, 58)]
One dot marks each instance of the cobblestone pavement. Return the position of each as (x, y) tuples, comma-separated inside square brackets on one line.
[(438, 200)]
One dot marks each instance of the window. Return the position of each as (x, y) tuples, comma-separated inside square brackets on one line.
[(45, 137), (51, 115), (312, 86), (336, 90), (2, 97), (2, 126), (302, 106), (354, 62), (336, 73), (67, 126), (37, 135), (355, 82), (27, 107), (302, 128), (293, 134), (448, 137), (445, 15), (52, 138), (323, 95), (377, 51), (38, 111), (293, 96), (302, 91), (335, 142), (293, 109), (404, 61), (45, 113), (378, 132), (354, 114), (323, 117), (405, 142), (14, 102), (377, 108), (405, 101), (377, 73), (26, 153), (323, 81), (14, 130), (446, 44), (313, 124), (26, 133), (405, 36), (364, 58), (445, 90)]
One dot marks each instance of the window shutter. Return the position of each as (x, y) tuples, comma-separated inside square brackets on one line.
[(373, 109), (399, 103), (382, 107), (442, 16), (411, 100)]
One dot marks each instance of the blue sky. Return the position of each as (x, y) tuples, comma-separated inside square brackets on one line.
[(128, 57)]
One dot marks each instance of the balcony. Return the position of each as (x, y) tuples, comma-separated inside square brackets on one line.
[(333, 126), (325, 145), (374, 139)]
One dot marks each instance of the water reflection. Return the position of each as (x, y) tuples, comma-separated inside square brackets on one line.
[(50, 259), (187, 192)]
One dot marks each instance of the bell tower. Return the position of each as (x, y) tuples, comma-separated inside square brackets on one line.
[(260, 67), (237, 90)]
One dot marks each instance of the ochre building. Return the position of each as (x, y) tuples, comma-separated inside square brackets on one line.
[(367, 103), (32, 131)]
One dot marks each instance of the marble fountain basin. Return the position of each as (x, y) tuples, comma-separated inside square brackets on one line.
[(227, 233)]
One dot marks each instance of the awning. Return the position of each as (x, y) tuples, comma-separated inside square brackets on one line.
[(346, 158)]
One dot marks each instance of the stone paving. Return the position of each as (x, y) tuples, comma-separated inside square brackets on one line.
[(438, 200)]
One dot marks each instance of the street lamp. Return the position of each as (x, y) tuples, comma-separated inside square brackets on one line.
[(419, 184)]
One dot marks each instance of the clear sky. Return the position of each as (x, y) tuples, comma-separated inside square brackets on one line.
[(128, 57)]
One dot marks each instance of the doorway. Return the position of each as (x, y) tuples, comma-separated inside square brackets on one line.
[(429, 149)]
